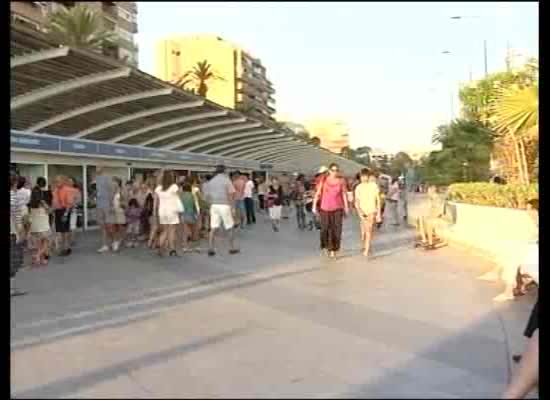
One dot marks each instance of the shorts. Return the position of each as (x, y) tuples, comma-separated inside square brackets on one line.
[(62, 221), (240, 205), (367, 221), (275, 212), (133, 228), (221, 213), (189, 218)]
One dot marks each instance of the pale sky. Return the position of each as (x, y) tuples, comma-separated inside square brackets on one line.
[(377, 66)]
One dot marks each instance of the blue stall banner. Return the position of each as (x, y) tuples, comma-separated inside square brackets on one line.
[(119, 151), (77, 146), (33, 142)]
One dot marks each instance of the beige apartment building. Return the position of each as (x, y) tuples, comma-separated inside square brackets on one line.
[(119, 16), (241, 81), (333, 134)]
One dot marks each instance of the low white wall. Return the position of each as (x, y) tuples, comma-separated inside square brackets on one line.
[(500, 234)]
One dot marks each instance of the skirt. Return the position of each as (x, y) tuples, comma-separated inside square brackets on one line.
[(16, 255)]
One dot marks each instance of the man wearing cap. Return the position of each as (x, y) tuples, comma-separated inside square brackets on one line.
[(220, 194), (319, 178)]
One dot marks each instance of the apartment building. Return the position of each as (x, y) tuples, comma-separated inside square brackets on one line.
[(241, 81), (119, 16), (333, 134)]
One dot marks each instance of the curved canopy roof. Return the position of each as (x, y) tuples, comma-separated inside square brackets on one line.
[(80, 94)]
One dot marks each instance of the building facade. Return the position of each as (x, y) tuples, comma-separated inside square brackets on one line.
[(241, 82), (333, 134), (119, 16)]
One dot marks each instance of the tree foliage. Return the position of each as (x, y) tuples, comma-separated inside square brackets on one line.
[(198, 78), (79, 27), (464, 156)]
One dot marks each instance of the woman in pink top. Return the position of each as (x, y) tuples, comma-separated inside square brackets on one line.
[(332, 193)]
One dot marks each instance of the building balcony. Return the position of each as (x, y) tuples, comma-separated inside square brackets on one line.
[(247, 102), (109, 10), (261, 84)]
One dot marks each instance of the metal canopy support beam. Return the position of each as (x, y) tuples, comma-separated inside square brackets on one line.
[(267, 148), (97, 106), (273, 152), (237, 138), (292, 155), (138, 115), (67, 86), (195, 128), (174, 121), (201, 137), (43, 55), (251, 145)]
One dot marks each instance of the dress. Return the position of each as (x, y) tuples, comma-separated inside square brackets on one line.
[(170, 206)]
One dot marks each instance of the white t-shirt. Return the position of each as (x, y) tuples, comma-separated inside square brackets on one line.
[(248, 189), (25, 195)]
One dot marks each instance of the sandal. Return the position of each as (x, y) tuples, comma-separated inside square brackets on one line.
[(234, 251), (211, 253)]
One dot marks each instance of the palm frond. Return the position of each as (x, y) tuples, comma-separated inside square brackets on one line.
[(516, 110)]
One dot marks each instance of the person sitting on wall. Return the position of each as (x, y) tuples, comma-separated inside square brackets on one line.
[(521, 270), (427, 225)]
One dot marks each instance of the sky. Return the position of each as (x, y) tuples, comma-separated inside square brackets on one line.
[(377, 66)]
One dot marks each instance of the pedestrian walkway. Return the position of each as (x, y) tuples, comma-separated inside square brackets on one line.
[(276, 320)]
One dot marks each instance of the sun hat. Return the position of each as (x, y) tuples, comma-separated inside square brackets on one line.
[(322, 170)]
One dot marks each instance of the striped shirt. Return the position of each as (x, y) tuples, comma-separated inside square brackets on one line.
[(17, 204)]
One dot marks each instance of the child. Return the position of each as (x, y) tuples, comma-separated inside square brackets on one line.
[(274, 204), (133, 218)]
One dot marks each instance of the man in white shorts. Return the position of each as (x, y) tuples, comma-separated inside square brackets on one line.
[(220, 193)]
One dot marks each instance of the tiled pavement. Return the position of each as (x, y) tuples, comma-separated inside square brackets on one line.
[(275, 321)]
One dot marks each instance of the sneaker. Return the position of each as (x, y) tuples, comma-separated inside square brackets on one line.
[(116, 246), (129, 245), (104, 249)]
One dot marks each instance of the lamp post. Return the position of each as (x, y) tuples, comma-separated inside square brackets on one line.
[(459, 17)]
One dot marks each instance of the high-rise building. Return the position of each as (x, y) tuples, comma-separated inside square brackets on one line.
[(118, 16), (240, 80), (333, 134)]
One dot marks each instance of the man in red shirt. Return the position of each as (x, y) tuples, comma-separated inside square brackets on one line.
[(63, 201)]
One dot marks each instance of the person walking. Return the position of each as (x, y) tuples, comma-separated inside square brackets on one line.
[(298, 196), (17, 234), (392, 200), (220, 194), (39, 207), (249, 201), (77, 204), (104, 197), (367, 204), (239, 183), (62, 202), (275, 198), (190, 215), (169, 210), (332, 196), (116, 219), (262, 191), (133, 219)]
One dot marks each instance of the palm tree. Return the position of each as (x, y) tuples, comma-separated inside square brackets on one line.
[(200, 76), (315, 141), (79, 27), (516, 116), (184, 81)]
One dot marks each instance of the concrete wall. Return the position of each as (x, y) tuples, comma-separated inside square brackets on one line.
[(499, 234)]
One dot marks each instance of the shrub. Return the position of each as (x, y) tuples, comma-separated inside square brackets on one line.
[(491, 194)]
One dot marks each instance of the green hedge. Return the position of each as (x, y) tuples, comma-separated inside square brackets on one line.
[(491, 194)]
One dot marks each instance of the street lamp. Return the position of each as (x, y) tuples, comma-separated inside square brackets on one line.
[(458, 17)]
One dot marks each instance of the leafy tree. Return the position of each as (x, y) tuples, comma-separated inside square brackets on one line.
[(400, 163), (347, 152), (465, 154), (79, 27)]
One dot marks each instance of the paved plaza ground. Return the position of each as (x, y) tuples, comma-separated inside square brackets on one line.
[(275, 321)]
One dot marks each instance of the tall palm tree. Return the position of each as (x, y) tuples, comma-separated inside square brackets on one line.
[(201, 75), (184, 81), (516, 116), (79, 27)]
